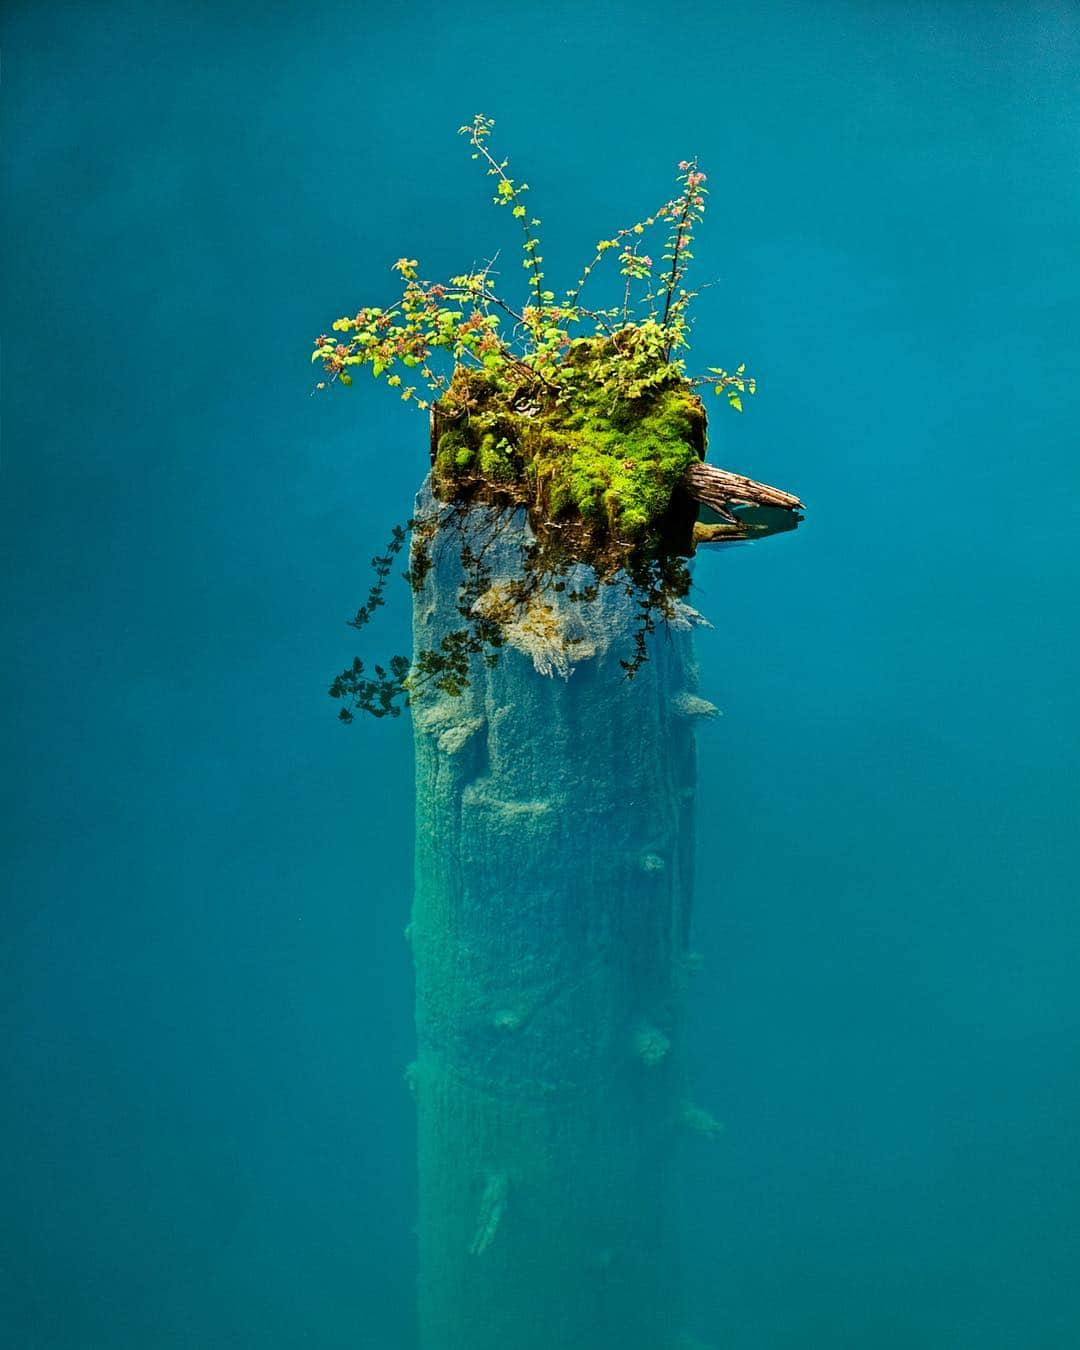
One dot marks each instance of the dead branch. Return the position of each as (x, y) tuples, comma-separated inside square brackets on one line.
[(719, 489)]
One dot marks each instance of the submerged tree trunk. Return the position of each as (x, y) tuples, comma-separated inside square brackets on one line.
[(554, 827)]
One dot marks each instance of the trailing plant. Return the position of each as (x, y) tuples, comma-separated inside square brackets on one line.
[(583, 417)]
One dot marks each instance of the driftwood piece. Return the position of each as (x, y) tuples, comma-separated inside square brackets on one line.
[(719, 488)]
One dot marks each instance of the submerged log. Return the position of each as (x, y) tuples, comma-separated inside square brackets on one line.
[(554, 857)]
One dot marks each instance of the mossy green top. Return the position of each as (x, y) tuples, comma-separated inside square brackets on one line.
[(601, 451)]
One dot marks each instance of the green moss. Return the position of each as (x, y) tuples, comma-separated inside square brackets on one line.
[(497, 462), (600, 448), (453, 454), (623, 462)]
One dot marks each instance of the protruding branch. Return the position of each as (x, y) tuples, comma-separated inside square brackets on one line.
[(719, 488)]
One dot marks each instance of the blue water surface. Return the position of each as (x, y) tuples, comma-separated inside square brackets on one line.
[(206, 1000)]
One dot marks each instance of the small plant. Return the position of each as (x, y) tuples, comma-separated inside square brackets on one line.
[(583, 417), (468, 321)]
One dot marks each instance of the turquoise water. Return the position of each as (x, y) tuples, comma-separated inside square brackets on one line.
[(206, 996)]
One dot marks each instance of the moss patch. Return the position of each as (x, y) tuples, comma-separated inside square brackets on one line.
[(592, 453)]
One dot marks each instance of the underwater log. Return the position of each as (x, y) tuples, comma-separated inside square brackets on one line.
[(553, 889)]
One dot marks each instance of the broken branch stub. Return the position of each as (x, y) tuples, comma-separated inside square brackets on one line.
[(719, 488)]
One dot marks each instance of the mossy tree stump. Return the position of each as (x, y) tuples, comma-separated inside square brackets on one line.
[(608, 474)]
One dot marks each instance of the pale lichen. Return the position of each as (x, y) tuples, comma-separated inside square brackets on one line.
[(538, 630)]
